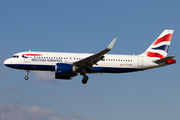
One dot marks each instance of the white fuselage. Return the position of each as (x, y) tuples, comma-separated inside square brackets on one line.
[(67, 65), (111, 63)]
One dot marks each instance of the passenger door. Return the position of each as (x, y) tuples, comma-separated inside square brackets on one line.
[(27, 57), (140, 61)]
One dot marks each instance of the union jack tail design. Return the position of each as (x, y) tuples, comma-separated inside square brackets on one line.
[(160, 46)]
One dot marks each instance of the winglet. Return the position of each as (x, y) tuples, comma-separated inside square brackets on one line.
[(111, 44)]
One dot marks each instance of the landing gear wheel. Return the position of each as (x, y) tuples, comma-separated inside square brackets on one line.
[(26, 77), (85, 79), (27, 73)]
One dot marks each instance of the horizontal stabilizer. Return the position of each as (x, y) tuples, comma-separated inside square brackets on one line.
[(164, 59)]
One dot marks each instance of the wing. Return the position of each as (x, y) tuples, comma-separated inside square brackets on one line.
[(93, 59)]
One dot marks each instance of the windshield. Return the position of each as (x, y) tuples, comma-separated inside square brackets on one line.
[(15, 56)]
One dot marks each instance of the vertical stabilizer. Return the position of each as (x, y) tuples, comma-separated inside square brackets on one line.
[(159, 48)]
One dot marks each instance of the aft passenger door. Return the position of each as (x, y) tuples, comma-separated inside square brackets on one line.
[(140, 61)]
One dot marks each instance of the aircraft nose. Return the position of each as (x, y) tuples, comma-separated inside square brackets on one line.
[(9, 63), (6, 62)]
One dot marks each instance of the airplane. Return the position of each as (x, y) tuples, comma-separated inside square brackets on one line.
[(68, 65)]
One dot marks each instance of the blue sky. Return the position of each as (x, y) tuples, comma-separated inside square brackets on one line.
[(88, 27)]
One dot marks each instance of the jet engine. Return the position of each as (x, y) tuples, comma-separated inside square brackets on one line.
[(64, 71)]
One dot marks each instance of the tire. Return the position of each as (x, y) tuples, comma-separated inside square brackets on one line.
[(85, 79), (26, 77)]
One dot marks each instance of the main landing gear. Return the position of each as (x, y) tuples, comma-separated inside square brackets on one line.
[(85, 77), (27, 73)]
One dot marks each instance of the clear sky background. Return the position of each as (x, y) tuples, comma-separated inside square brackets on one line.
[(88, 27)]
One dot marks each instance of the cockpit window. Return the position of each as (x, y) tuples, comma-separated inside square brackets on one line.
[(15, 56)]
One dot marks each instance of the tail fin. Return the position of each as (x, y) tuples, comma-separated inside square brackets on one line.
[(159, 48)]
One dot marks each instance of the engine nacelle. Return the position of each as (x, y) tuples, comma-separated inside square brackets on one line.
[(64, 71)]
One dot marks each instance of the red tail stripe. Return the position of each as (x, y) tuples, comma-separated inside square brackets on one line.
[(151, 54), (164, 38), (32, 54)]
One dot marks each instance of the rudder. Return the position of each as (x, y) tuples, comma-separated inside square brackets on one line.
[(159, 48)]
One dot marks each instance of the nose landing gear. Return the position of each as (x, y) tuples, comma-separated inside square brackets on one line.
[(27, 73)]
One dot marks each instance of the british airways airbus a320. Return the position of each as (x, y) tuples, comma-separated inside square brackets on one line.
[(68, 65)]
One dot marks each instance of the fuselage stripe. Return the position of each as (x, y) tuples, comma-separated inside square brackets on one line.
[(32, 55)]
